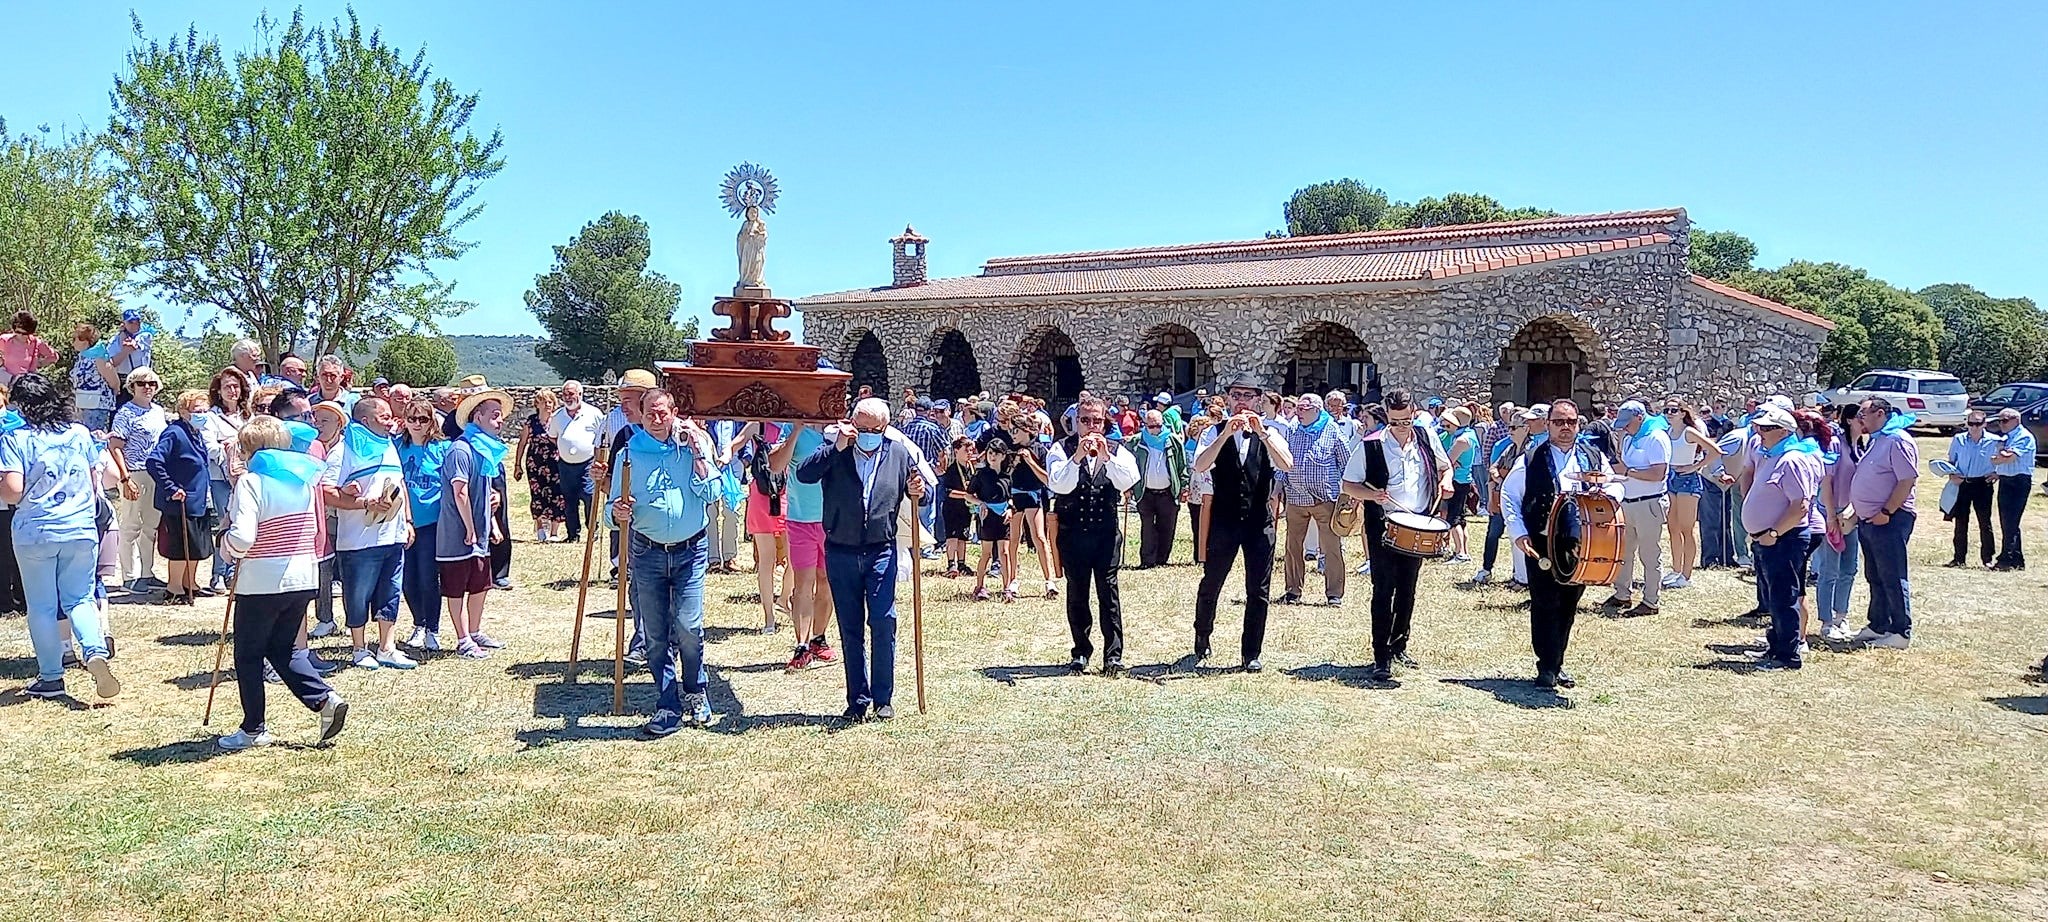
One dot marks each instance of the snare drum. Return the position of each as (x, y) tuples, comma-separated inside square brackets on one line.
[(1417, 535)]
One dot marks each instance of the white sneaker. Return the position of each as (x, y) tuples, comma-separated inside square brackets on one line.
[(323, 629), (363, 659), (1364, 569), (486, 641), (1802, 649), (242, 739), (433, 644), (1867, 635), (1482, 577), (414, 639), (1675, 581), (395, 659), (1892, 642), (103, 681), (333, 715), (1836, 633), (468, 649)]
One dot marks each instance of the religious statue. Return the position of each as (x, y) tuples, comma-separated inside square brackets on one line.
[(750, 190)]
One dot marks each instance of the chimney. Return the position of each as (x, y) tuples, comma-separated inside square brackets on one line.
[(909, 258)]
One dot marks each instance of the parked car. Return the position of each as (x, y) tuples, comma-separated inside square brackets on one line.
[(2017, 396), (1939, 400), (2035, 418)]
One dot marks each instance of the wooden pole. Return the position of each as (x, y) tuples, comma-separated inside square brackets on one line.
[(917, 618), (583, 585), (619, 609), (220, 650)]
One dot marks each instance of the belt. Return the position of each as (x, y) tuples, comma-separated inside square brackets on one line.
[(1159, 490), (673, 546), (1641, 499)]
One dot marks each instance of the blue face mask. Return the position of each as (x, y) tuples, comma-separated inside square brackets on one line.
[(868, 441)]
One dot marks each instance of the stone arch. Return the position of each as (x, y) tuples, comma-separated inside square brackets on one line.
[(1170, 357), (1047, 365), (867, 362), (1553, 355), (1321, 355), (950, 369)]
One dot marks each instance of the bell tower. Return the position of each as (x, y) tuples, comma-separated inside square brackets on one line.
[(909, 263)]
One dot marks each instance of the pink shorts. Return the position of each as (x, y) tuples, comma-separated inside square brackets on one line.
[(807, 545), (759, 522)]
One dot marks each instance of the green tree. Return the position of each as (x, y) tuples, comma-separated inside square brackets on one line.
[(1719, 255), (1875, 323), (58, 258), (180, 366), (1338, 207), (1458, 208), (415, 360), (1987, 341), (306, 188), (601, 307)]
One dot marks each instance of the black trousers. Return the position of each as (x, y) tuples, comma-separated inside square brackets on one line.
[(1973, 495), (1553, 606), (1227, 542), (266, 626), (1195, 526), (11, 590), (2013, 490), (1093, 558), (1394, 575), (501, 550), (1158, 518)]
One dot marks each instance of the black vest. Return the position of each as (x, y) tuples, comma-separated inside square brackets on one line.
[(1092, 507), (1373, 515), (1242, 487)]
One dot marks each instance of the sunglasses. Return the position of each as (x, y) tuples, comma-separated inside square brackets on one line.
[(419, 419), (146, 383), (1565, 422), (1153, 428), (1672, 411), (1761, 427), (1410, 421), (1975, 423), (1097, 420), (305, 417)]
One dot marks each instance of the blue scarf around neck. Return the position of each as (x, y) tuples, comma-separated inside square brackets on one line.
[(1650, 424), (490, 452), (1315, 429), (369, 454)]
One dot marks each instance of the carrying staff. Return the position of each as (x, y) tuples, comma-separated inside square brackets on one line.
[(1397, 472), (1241, 514), (1089, 475), (1536, 485)]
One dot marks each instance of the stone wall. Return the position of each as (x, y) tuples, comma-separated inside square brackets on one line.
[(1639, 326)]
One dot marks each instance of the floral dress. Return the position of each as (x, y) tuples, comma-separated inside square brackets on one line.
[(543, 477)]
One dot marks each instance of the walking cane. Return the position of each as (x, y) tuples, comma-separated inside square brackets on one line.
[(917, 610), (619, 607), (220, 650), (582, 590)]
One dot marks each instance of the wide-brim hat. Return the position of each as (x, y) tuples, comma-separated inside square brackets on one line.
[(328, 406), (472, 383), (471, 402), (1458, 417), (638, 378)]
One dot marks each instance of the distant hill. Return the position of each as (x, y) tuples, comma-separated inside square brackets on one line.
[(505, 360)]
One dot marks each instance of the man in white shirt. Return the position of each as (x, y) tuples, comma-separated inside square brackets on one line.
[(1527, 496), (1645, 461), (364, 483), (1089, 475), (575, 428), (1242, 456), (1404, 470)]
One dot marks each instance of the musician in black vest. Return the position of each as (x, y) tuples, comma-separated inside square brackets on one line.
[(1089, 476), (1401, 469), (1241, 456), (1527, 496)]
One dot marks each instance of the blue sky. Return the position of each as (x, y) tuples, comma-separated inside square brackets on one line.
[(1904, 138)]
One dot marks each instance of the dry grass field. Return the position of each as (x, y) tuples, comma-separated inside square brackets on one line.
[(1671, 784)]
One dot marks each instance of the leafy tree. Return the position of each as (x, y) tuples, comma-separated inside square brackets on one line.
[(180, 366), (1458, 208), (58, 259), (1338, 207), (1719, 255), (1987, 341), (415, 360), (1876, 323), (601, 307), (305, 188)]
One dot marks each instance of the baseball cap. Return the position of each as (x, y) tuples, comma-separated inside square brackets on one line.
[(943, 404), (922, 403), (1434, 402), (1773, 415), (131, 315), (379, 381), (1780, 401), (1631, 409), (1163, 397)]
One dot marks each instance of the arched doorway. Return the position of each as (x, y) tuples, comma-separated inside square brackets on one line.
[(1048, 366), (1321, 356), (869, 366), (950, 369), (1171, 358), (1547, 359)]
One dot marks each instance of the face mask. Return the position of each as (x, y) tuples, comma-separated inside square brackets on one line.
[(868, 441)]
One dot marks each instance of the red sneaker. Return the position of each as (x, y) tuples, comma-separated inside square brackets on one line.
[(801, 661), (821, 654)]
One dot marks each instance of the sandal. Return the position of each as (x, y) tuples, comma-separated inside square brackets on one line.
[(981, 595), (1009, 595)]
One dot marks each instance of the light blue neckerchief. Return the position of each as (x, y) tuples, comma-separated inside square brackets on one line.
[(303, 436), (490, 452), (292, 473), (1314, 430), (1650, 424), (1153, 442), (1898, 423), (1793, 443), (10, 421), (368, 452)]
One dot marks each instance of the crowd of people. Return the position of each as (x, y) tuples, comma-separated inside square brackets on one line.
[(279, 488)]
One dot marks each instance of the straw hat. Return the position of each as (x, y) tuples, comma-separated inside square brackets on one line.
[(330, 407), (471, 402), (640, 378), (472, 383), (1458, 417)]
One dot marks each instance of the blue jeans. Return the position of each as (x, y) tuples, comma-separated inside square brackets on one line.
[(97, 420), (1781, 572), (1717, 541), (420, 578), (1884, 566), (218, 492), (1834, 577), (863, 581), (369, 583), (576, 487), (668, 592), (57, 579)]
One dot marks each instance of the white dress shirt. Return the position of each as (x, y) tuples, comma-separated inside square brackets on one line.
[(1066, 473), (1514, 490)]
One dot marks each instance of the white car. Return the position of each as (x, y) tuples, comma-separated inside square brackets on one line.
[(1939, 400)]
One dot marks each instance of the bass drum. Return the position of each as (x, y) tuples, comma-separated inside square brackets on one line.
[(1585, 538)]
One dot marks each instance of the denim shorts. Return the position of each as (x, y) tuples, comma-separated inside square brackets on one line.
[(1686, 484)]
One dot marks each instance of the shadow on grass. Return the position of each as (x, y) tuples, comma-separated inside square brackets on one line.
[(1732, 649), (199, 680), (14, 696), (1742, 620), (1011, 675), (19, 667), (1187, 667), (1354, 676), (190, 639), (2036, 705), (1503, 602), (199, 750), (1737, 666), (1519, 692), (589, 668)]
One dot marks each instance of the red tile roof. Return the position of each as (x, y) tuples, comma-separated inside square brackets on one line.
[(1764, 303)]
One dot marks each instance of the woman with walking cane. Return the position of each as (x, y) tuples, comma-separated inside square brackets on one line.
[(46, 471), (276, 524), (185, 526)]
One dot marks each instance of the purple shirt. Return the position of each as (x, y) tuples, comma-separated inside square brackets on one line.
[(1890, 460), (1782, 482)]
